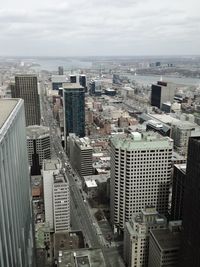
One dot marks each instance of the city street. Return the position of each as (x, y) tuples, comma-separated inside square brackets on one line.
[(81, 217)]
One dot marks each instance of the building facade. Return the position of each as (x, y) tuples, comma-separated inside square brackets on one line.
[(190, 245), (178, 187), (60, 70), (16, 231), (83, 81), (26, 87), (74, 109), (39, 147), (136, 236), (80, 154), (50, 168), (140, 175), (61, 200), (162, 92)]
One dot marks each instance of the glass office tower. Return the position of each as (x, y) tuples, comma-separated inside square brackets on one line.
[(74, 109)]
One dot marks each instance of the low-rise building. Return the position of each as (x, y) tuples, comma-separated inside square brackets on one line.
[(80, 154)]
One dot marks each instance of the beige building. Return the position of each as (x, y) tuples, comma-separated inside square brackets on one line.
[(136, 236), (140, 175), (26, 87)]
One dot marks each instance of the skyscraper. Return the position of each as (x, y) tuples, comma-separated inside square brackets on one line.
[(140, 175), (178, 186), (26, 88), (74, 109), (61, 200), (161, 93), (73, 78), (82, 80), (60, 70), (39, 148), (80, 154), (190, 245), (16, 235)]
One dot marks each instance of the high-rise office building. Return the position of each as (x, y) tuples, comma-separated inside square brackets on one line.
[(61, 200), (60, 70), (164, 246), (178, 187), (140, 175), (56, 196), (190, 245), (26, 87), (162, 92), (180, 133), (80, 154), (73, 79), (95, 88), (39, 148), (74, 109), (57, 81), (49, 169), (82, 80), (136, 236), (16, 234)]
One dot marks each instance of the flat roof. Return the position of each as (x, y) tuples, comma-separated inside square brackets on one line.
[(82, 258), (7, 105), (37, 131), (91, 183), (51, 164), (72, 86), (148, 141), (166, 239), (25, 75), (59, 78)]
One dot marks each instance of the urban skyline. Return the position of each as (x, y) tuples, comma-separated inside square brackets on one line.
[(108, 169)]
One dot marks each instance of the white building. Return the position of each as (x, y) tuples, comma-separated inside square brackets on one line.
[(140, 175), (91, 188), (136, 236), (16, 233), (61, 199), (50, 168)]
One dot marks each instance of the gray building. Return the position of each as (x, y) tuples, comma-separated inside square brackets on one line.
[(39, 147), (16, 234), (80, 154), (180, 133), (26, 87), (60, 70), (162, 92), (164, 246), (140, 175)]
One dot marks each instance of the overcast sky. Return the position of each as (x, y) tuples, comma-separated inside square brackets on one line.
[(99, 27)]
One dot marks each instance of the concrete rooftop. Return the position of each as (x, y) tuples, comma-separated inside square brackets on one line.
[(6, 108)]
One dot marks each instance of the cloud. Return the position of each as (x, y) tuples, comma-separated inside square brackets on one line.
[(77, 27)]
